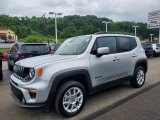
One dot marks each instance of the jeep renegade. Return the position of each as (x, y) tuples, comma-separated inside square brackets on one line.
[(81, 66)]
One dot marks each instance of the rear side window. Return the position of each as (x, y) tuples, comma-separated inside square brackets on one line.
[(134, 43), (39, 48), (124, 44), (107, 42)]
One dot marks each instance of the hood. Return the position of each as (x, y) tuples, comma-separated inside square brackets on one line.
[(35, 61)]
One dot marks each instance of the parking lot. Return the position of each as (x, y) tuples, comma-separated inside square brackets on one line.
[(96, 102)]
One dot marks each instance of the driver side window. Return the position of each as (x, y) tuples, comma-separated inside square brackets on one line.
[(106, 42)]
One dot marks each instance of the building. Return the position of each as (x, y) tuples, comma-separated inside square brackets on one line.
[(7, 34)]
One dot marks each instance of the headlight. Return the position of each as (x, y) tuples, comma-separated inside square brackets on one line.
[(31, 73)]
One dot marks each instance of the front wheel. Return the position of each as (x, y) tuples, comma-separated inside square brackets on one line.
[(1, 74), (138, 77), (70, 99)]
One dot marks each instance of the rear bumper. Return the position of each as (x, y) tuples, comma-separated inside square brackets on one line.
[(149, 53), (157, 52)]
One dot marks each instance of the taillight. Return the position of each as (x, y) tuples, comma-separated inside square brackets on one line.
[(49, 52), (21, 55)]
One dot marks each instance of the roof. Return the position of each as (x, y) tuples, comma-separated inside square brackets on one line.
[(4, 30), (113, 34), (121, 33)]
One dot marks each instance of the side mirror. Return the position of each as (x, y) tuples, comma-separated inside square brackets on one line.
[(102, 51)]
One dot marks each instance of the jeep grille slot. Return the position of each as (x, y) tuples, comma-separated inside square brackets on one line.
[(20, 72)]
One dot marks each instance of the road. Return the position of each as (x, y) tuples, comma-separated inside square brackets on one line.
[(143, 107), (94, 104)]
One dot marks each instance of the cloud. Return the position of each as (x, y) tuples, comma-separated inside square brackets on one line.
[(118, 10)]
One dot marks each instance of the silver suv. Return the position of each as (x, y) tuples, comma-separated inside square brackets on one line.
[(81, 66)]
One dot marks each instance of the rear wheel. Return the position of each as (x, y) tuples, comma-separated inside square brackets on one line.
[(10, 68), (138, 78), (70, 99), (1, 74)]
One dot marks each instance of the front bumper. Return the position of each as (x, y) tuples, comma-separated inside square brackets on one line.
[(19, 99)]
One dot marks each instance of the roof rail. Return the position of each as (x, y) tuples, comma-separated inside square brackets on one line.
[(103, 32)]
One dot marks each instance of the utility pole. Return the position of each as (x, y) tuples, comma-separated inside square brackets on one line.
[(106, 25), (135, 30), (45, 20), (151, 37), (53, 13), (159, 27)]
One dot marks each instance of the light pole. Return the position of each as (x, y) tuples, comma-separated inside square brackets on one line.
[(45, 28), (159, 27), (51, 13), (151, 36), (135, 30), (106, 25)]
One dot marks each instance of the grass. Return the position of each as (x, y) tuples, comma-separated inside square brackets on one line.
[(4, 50)]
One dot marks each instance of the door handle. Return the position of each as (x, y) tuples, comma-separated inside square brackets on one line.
[(134, 55), (116, 59)]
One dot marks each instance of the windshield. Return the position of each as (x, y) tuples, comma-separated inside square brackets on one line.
[(158, 45), (74, 46)]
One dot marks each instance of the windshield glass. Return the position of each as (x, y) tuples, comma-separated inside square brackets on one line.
[(158, 45), (74, 46)]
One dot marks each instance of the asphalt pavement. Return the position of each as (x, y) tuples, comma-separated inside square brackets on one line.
[(95, 103), (145, 106)]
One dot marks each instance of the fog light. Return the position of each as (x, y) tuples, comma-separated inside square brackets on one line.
[(23, 101), (32, 90)]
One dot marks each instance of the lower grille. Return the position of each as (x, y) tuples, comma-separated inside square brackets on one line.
[(17, 93)]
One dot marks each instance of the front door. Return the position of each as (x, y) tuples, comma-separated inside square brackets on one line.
[(104, 68)]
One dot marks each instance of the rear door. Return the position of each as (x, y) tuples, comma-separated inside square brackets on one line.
[(125, 55)]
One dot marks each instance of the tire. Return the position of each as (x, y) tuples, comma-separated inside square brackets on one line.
[(148, 56), (72, 105), (155, 54), (10, 68), (1, 74), (138, 78)]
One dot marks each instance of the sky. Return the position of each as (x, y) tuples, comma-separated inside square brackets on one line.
[(117, 10)]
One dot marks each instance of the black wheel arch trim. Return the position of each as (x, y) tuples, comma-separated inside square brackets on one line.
[(59, 79), (144, 61)]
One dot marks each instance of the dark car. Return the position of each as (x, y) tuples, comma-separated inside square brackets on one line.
[(1, 73), (148, 49), (25, 50), (9, 41), (54, 47)]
